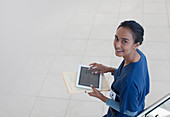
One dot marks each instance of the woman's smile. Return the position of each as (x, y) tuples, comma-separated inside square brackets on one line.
[(118, 51)]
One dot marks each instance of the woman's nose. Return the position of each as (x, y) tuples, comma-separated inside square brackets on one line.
[(117, 44)]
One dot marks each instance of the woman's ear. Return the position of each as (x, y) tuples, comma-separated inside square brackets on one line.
[(137, 45)]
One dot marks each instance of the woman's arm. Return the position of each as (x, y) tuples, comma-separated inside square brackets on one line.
[(110, 102), (99, 68), (97, 94), (112, 70)]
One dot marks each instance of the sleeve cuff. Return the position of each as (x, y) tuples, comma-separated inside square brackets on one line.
[(112, 103), (116, 105)]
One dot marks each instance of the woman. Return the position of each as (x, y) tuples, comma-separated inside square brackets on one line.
[(131, 83)]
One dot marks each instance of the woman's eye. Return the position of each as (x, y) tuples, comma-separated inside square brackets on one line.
[(124, 41), (116, 39)]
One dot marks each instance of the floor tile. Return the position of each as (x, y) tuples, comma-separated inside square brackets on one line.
[(159, 20), (57, 7), (157, 50), (7, 80), (158, 89), (78, 31), (54, 86), (109, 6), (132, 1), (131, 16), (154, 1), (2, 98), (159, 70), (106, 19), (168, 8), (13, 56), (52, 25), (47, 46), (65, 64), (38, 63), (28, 84), (83, 97), (103, 32), (154, 8), (116, 61), (72, 47), (94, 59), (157, 34), (131, 7), (105, 109), (87, 6), (103, 48), (77, 109), (17, 106), (82, 18), (46, 107)]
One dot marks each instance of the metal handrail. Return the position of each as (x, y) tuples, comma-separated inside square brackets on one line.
[(155, 105)]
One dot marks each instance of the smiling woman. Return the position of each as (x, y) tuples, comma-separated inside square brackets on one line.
[(131, 83)]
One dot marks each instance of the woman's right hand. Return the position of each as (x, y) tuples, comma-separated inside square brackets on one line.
[(99, 68)]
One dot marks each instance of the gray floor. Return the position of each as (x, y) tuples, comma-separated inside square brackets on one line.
[(41, 39)]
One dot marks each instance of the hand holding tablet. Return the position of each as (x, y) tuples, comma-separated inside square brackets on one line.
[(99, 68)]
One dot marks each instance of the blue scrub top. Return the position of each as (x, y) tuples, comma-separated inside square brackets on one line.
[(131, 85)]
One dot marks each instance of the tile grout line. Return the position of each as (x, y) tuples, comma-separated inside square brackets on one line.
[(38, 94), (112, 54), (82, 57), (91, 30), (67, 106), (83, 53), (167, 16)]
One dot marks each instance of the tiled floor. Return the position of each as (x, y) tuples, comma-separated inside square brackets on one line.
[(40, 39)]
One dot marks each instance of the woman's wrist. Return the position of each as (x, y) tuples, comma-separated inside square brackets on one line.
[(103, 98), (111, 69)]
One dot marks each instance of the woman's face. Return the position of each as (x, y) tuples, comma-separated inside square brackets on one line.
[(124, 42)]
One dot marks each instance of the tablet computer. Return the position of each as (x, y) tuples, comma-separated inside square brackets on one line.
[(85, 78)]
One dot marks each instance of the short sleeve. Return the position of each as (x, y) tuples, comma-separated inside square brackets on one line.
[(115, 72), (129, 98)]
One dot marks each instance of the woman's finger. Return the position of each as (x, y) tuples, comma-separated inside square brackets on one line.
[(93, 64), (90, 68), (96, 70), (93, 92), (93, 88), (100, 71)]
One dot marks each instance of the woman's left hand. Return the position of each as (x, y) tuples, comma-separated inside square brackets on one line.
[(97, 94)]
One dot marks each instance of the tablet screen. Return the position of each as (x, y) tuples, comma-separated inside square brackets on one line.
[(87, 78)]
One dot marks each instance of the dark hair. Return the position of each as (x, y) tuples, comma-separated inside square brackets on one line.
[(136, 28)]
